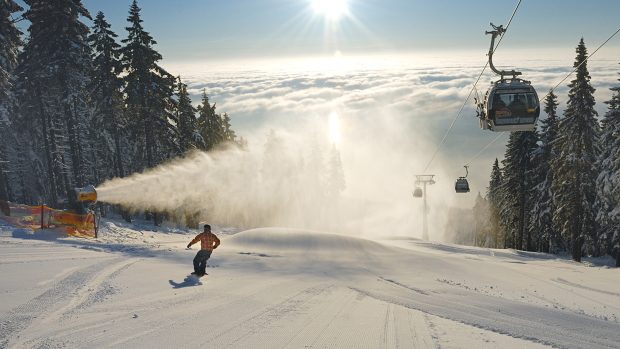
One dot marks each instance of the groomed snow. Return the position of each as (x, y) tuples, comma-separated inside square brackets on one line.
[(285, 288)]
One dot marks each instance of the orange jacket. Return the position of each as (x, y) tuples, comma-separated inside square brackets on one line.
[(208, 241)]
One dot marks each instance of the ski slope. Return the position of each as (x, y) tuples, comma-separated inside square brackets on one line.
[(282, 288)]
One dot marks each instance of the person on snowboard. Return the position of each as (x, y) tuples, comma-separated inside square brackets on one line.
[(208, 242)]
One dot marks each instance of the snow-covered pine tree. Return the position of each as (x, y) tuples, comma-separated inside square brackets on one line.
[(52, 76), (315, 169), (574, 168), (278, 181), (229, 133), (516, 189), (541, 212), (210, 124), (335, 184), (482, 230), (149, 90), (189, 137), (494, 198), (106, 95), (314, 177), (608, 181), (9, 46), (335, 174), (242, 143)]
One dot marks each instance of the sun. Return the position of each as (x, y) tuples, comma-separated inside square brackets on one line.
[(331, 9)]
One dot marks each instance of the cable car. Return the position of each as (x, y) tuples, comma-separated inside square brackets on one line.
[(417, 193), (511, 104), (462, 185)]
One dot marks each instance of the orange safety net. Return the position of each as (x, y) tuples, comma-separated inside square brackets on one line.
[(37, 217)]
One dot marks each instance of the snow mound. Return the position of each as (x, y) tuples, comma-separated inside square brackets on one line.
[(296, 239)]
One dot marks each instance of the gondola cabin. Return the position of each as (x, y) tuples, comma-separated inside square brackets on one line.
[(461, 185), (417, 193), (511, 105)]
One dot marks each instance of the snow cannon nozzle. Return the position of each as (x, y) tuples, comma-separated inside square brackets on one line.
[(86, 194)]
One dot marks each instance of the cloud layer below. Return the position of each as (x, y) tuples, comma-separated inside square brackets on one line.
[(394, 112)]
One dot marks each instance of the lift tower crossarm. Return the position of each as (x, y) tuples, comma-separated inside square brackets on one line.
[(498, 31)]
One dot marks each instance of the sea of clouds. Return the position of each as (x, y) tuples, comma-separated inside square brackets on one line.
[(419, 95)]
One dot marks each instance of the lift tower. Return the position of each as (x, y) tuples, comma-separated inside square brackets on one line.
[(423, 180)]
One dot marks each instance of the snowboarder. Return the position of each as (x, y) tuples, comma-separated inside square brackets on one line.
[(208, 242)]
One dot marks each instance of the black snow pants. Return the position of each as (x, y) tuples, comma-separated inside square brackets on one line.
[(200, 261)]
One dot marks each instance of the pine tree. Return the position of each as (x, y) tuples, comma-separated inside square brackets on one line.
[(52, 76), (574, 168), (541, 213), (242, 143), (608, 182), (516, 186), (189, 137), (9, 45), (277, 180), (149, 90), (335, 184), (106, 94), (494, 198), (335, 175), (229, 134), (210, 124), (315, 171), (482, 229)]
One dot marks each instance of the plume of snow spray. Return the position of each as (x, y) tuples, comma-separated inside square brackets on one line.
[(249, 188), (285, 183)]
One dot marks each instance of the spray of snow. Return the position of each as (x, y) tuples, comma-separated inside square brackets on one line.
[(285, 179)]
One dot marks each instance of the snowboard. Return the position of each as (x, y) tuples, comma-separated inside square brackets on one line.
[(196, 276)]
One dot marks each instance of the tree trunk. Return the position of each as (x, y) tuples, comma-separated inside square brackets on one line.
[(61, 162), (577, 243), (25, 198), (74, 144), (4, 185), (4, 179), (576, 234), (521, 225), (148, 129), (158, 219), (120, 172), (48, 151)]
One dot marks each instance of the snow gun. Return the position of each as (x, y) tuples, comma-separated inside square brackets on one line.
[(86, 194)]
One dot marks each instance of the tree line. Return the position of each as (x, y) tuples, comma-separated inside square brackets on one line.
[(558, 188), (78, 107)]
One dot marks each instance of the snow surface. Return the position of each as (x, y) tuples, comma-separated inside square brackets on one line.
[(283, 288)]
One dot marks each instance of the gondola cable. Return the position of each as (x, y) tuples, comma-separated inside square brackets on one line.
[(458, 114), (485, 148), (580, 64)]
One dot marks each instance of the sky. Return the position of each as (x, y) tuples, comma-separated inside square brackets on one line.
[(209, 29), (390, 74)]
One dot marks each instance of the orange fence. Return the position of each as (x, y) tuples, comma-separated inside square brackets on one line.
[(38, 217)]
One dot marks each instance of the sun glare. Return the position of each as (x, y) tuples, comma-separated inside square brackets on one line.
[(331, 9), (334, 128)]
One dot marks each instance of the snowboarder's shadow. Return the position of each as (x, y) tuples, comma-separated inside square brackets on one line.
[(187, 282)]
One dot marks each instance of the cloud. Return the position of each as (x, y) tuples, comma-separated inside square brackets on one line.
[(393, 116)]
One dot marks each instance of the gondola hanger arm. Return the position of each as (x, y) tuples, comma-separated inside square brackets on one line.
[(498, 31)]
